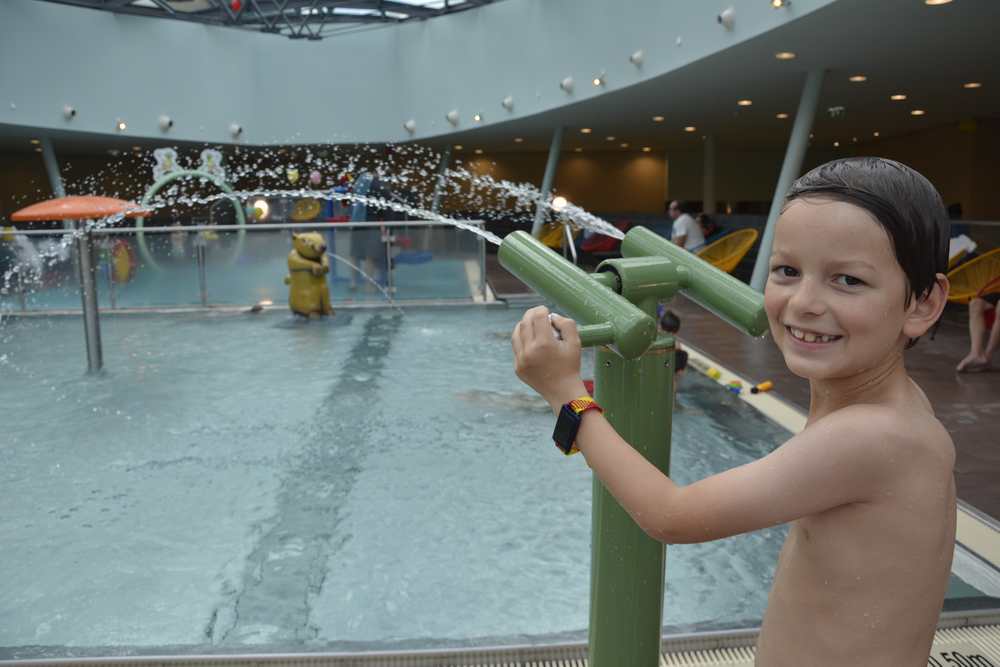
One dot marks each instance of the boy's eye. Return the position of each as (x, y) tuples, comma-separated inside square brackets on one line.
[(785, 271), (849, 281)]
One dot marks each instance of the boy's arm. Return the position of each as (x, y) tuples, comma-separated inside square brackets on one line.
[(846, 457)]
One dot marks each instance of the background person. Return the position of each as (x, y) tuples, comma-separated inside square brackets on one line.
[(685, 232), (980, 354)]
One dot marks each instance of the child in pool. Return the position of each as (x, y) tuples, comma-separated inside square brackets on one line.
[(857, 275)]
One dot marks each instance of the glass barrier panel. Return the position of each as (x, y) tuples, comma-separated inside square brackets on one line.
[(436, 263), (186, 267), (246, 271), (365, 277), (38, 272), (171, 279)]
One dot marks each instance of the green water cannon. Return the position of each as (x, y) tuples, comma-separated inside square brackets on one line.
[(616, 305), (615, 308)]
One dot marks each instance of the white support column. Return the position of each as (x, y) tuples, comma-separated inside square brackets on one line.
[(666, 180), (52, 170), (708, 176), (550, 173), (442, 177), (790, 170)]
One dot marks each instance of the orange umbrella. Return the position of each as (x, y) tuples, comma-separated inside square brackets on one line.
[(77, 208)]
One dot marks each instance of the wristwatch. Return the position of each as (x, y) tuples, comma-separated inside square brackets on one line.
[(569, 420)]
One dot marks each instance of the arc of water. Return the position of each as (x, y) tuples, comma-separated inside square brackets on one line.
[(367, 277), (191, 173)]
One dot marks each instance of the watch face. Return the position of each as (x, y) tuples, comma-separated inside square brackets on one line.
[(566, 429)]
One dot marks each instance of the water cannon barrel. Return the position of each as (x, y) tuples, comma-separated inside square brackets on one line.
[(712, 289), (612, 318)]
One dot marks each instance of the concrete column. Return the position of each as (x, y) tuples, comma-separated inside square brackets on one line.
[(550, 173), (439, 185), (666, 181), (790, 170), (708, 176), (52, 170)]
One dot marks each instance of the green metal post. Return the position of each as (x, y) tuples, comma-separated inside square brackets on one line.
[(627, 566)]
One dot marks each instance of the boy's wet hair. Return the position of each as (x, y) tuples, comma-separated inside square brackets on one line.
[(905, 203)]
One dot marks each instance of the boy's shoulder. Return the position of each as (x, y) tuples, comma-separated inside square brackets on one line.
[(888, 426)]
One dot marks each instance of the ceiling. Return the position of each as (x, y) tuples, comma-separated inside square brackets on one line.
[(295, 19), (900, 46)]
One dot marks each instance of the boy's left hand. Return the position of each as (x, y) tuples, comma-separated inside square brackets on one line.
[(546, 364)]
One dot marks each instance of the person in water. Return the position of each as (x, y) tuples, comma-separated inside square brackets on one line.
[(856, 277)]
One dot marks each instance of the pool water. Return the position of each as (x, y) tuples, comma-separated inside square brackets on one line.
[(238, 482)]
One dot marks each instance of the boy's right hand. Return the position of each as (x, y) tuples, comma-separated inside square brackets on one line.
[(547, 364)]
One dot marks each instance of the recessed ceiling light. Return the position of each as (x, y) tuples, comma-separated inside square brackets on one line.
[(518, 140), (858, 78), (972, 84), (934, 3), (609, 138), (898, 97), (121, 125), (477, 117), (781, 116), (690, 128), (459, 147), (36, 141), (778, 4), (479, 151), (646, 149), (585, 130), (875, 133), (598, 80), (917, 112), (744, 103), (624, 144), (784, 55), (658, 119)]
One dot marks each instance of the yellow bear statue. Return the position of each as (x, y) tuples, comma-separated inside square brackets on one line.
[(308, 264)]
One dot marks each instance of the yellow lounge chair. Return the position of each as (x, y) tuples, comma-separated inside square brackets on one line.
[(967, 279), (725, 253), (553, 235)]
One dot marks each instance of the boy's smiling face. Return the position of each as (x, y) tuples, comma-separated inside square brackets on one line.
[(835, 294)]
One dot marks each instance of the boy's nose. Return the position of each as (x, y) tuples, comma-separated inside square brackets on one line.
[(807, 299)]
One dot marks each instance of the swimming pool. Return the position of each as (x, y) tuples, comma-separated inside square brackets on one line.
[(238, 482)]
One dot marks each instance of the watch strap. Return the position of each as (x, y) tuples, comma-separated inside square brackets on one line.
[(568, 423)]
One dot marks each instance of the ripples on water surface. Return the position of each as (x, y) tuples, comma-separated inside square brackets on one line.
[(240, 482)]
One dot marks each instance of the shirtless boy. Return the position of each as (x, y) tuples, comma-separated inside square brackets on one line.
[(868, 487)]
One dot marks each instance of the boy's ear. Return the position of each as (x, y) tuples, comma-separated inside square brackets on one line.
[(924, 312)]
